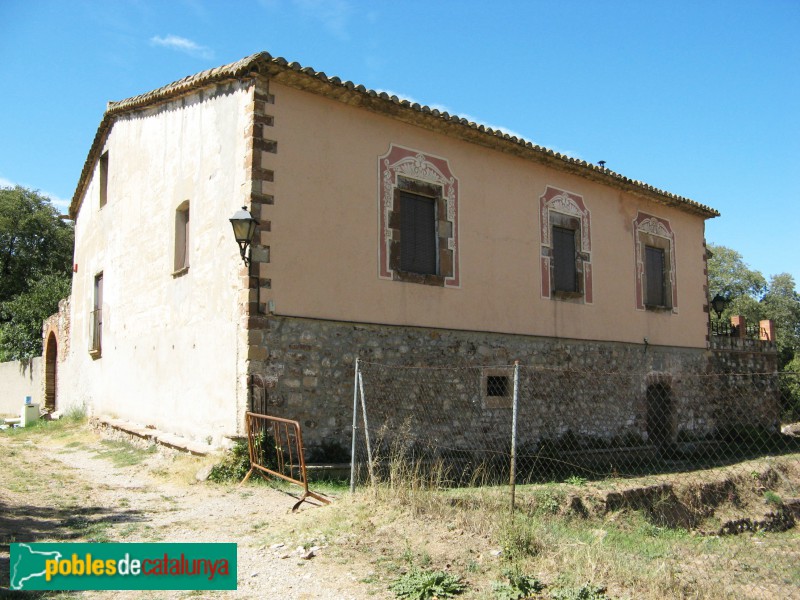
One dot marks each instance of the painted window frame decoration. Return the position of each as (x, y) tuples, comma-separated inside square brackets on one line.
[(655, 232), (407, 170), (561, 208)]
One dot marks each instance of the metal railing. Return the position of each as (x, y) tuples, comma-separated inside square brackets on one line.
[(276, 449), (727, 329)]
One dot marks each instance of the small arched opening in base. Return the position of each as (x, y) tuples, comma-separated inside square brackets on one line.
[(50, 372)]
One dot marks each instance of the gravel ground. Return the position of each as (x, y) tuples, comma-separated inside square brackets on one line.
[(49, 484)]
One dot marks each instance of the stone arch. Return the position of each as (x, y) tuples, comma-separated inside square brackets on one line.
[(660, 408), (50, 372)]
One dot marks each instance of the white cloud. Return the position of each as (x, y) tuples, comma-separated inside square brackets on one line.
[(332, 14), (468, 117), (399, 95), (184, 45), (56, 201)]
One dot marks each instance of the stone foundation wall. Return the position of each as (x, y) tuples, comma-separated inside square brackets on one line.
[(746, 385), (590, 390)]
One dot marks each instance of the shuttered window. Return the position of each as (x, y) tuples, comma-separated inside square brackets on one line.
[(103, 167), (96, 341), (654, 276), (417, 234), (181, 262), (565, 273)]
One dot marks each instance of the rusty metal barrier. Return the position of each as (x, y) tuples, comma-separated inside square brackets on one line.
[(276, 449)]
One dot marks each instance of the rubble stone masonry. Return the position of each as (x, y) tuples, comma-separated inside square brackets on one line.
[(586, 388)]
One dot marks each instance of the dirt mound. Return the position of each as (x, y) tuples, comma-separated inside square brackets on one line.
[(754, 496)]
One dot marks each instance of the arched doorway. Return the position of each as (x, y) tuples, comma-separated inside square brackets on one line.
[(659, 415), (50, 372)]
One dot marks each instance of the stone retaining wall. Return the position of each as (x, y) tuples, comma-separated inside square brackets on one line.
[(590, 390)]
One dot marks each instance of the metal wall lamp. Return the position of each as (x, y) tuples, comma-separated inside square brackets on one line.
[(244, 229), (719, 303)]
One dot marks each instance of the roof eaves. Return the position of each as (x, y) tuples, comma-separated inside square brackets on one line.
[(306, 78)]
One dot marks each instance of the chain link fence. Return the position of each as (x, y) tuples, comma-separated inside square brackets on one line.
[(473, 425), (716, 454)]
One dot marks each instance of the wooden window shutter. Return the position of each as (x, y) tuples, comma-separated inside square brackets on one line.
[(417, 234), (654, 276), (565, 272)]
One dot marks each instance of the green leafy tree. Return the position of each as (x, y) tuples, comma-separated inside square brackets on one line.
[(790, 391), (33, 241), (781, 303), (35, 269), (751, 296), (21, 333), (732, 278)]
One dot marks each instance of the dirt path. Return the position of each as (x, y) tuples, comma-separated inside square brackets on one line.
[(63, 482), (67, 489)]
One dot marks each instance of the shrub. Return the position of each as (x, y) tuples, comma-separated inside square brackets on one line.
[(234, 465), (421, 584), (518, 586)]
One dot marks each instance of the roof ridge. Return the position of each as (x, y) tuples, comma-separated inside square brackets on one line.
[(266, 64)]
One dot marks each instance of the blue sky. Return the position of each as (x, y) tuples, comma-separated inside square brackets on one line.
[(701, 98)]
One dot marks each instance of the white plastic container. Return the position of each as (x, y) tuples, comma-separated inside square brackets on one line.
[(29, 414)]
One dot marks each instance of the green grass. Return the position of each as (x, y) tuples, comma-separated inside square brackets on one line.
[(68, 424), (622, 554), (123, 454), (773, 498), (129, 530), (586, 591), (516, 586), (95, 530)]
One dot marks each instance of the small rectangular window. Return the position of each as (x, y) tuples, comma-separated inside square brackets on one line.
[(498, 386), (103, 175), (96, 337), (417, 234), (655, 290), (181, 263), (565, 272)]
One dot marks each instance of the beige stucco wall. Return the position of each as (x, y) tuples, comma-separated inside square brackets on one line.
[(324, 240), (17, 380), (171, 354), (175, 347)]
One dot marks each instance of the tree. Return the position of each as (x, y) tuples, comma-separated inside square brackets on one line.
[(781, 303), (790, 391), (35, 269), (751, 296), (732, 278), (33, 241), (21, 333)]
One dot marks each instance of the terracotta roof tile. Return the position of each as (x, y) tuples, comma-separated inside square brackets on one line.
[(318, 82)]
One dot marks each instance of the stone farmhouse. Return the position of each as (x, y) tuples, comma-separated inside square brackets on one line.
[(386, 230)]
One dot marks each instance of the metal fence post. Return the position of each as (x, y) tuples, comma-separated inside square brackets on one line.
[(355, 429), (513, 481), (366, 428)]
